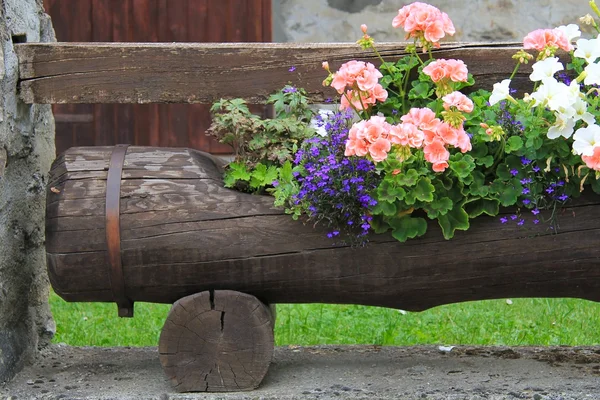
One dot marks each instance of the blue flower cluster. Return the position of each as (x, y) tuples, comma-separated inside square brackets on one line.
[(507, 121), (540, 190), (334, 189)]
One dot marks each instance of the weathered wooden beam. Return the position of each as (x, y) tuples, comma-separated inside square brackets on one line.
[(203, 72)]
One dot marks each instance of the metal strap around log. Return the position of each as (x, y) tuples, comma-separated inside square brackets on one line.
[(113, 230)]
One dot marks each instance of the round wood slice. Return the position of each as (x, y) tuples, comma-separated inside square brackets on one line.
[(217, 341)]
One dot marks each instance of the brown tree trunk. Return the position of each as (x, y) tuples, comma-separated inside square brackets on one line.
[(217, 341), (183, 233)]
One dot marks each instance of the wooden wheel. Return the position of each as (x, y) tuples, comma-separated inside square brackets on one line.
[(217, 341)]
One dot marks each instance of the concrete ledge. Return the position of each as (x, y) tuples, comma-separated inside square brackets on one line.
[(328, 372)]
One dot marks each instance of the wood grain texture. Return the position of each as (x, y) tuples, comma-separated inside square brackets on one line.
[(205, 72), (217, 341), (183, 233)]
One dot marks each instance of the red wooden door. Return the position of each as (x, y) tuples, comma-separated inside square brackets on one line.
[(173, 125)]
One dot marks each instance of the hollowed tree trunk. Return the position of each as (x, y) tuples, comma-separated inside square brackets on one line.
[(182, 233)]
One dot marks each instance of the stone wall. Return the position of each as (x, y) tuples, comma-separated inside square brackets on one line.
[(475, 20), (26, 151)]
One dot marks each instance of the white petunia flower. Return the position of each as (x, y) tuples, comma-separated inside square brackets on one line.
[(571, 31), (592, 76), (581, 112), (586, 139), (545, 69), (556, 95), (562, 127), (500, 92), (588, 49)]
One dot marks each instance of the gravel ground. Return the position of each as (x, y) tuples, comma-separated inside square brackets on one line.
[(328, 372)]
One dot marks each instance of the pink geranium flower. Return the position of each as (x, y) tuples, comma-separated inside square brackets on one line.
[(449, 70), (464, 141), (448, 134), (379, 149), (540, 39), (458, 100), (407, 134), (437, 154), (425, 120), (593, 161), (424, 21), (369, 137), (361, 100), (364, 75)]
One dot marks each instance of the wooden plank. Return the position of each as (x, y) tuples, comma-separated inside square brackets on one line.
[(102, 31), (122, 31), (205, 72), (266, 10), (71, 20), (145, 20)]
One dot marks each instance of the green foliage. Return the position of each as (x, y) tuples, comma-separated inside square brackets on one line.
[(261, 146)]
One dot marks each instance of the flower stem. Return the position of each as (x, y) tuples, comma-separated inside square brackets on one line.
[(515, 71)]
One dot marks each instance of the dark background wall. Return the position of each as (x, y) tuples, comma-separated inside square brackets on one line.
[(173, 125)]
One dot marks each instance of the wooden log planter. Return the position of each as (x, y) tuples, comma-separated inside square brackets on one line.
[(127, 224), (221, 255)]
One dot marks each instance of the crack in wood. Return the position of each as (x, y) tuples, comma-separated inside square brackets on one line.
[(211, 299)]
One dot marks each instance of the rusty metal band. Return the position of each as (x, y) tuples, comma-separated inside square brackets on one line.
[(113, 230)]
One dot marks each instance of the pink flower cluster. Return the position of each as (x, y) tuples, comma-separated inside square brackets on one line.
[(359, 82), (370, 137), (593, 161), (459, 101), (360, 100), (365, 75), (447, 70), (421, 20), (541, 39), (437, 135), (420, 129)]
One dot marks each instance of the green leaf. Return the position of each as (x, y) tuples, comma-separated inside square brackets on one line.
[(595, 184), (408, 178), (263, 176), (390, 193), (477, 207), (478, 187), (507, 192), (423, 191), (385, 208), (463, 167), (534, 142), (438, 207), (238, 171), (513, 144), (420, 90), (503, 172), (457, 218), (228, 180), (379, 225), (285, 172), (479, 150), (407, 227), (486, 161)]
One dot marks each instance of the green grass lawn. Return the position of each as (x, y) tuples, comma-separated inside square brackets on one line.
[(524, 322)]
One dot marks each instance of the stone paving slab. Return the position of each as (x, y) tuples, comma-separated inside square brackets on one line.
[(327, 372)]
